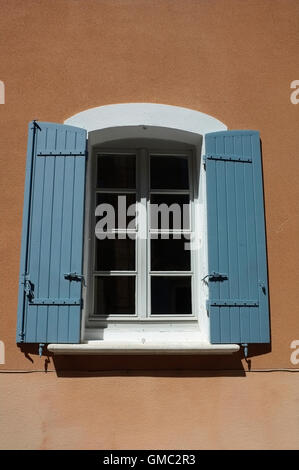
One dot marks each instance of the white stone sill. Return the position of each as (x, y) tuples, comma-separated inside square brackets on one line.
[(136, 347)]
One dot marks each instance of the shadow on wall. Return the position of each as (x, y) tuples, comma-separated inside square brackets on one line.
[(147, 365)]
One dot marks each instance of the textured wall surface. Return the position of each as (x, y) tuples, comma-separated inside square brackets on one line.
[(231, 59), (118, 412)]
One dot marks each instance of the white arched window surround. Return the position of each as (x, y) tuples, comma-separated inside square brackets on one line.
[(170, 123)]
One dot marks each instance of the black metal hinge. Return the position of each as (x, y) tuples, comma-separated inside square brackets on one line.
[(29, 288), (227, 158), (61, 154), (55, 301), (232, 303)]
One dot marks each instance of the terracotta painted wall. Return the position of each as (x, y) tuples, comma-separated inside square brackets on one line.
[(231, 59)]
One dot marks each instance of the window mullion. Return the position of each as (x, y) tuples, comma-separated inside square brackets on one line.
[(141, 241)]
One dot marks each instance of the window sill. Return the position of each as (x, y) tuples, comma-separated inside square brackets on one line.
[(139, 347)]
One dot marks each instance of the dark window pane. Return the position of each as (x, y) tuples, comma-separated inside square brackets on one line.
[(169, 172), (171, 295), (119, 206), (115, 254), (170, 211), (115, 295), (170, 254), (116, 171)]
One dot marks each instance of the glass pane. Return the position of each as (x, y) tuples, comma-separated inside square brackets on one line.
[(115, 254), (116, 171), (115, 295), (170, 211), (171, 295), (169, 172), (169, 254), (117, 211)]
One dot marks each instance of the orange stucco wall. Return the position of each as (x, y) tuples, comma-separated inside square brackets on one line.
[(231, 59)]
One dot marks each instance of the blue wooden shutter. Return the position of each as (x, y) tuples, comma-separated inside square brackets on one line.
[(238, 286), (49, 308)]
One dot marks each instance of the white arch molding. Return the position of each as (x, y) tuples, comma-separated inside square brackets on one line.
[(146, 120)]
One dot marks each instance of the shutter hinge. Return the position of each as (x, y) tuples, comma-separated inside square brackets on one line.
[(29, 288), (227, 158), (55, 301), (62, 154), (232, 303), (22, 336)]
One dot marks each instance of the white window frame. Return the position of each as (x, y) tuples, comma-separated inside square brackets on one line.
[(142, 254)]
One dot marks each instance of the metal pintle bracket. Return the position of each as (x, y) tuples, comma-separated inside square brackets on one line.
[(245, 349), (40, 349), (29, 288)]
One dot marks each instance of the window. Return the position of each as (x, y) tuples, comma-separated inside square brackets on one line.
[(142, 265), (144, 275)]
